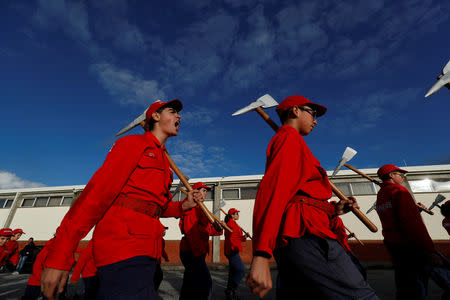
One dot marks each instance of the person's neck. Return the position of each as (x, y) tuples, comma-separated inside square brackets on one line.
[(293, 123), (160, 135)]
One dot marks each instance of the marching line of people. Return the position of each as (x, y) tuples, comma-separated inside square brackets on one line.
[(293, 222)]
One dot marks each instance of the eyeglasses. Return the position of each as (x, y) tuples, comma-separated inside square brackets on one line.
[(311, 111), (399, 174)]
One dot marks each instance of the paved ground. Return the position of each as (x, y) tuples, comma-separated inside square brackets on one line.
[(12, 286)]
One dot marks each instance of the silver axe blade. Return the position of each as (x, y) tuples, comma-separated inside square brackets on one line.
[(372, 207), (349, 153), (439, 199), (443, 79), (221, 204), (180, 184), (265, 101), (133, 124)]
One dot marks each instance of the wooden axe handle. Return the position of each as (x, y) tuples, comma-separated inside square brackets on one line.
[(246, 233), (266, 118), (354, 235), (379, 184), (356, 211), (188, 186), (213, 216)]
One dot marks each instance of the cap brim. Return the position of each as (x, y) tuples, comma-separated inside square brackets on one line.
[(175, 103), (321, 110), (400, 170)]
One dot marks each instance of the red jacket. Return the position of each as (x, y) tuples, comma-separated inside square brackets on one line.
[(38, 266), (446, 224), (196, 229), (233, 240), (135, 167), (85, 265), (290, 167), (400, 218), (11, 250)]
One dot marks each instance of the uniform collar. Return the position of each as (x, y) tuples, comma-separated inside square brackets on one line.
[(152, 138)]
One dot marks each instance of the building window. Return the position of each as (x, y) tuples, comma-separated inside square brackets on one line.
[(210, 195), (9, 203), (41, 202), (229, 194), (249, 192), (363, 188), (430, 185), (28, 202), (2, 202), (54, 201), (67, 201), (344, 187)]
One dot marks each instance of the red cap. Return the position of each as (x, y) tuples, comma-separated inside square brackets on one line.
[(6, 232), (386, 169), (18, 230), (175, 103), (199, 185), (232, 211), (298, 100)]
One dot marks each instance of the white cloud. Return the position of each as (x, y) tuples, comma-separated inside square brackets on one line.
[(11, 181), (126, 86), (69, 16), (199, 116)]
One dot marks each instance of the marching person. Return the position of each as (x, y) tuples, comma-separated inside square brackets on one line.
[(85, 268), (291, 218), (445, 211), (194, 246), (5, 235), (233, 245), (159, 276), (11, 258), (405, 235), (25, 253), (124, 201)]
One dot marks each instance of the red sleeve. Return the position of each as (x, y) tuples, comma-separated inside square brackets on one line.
[(174, 209), (81, 263), (286, 170), (93, 202), (411, 221)]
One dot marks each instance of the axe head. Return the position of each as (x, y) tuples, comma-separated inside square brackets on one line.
[(443, 79), (265, 101), (133, 124), (221, 204), (372, 207), (180, 184), (348, 155), (439, 199)]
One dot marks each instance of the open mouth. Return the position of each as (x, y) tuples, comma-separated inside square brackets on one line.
[(177, 124)]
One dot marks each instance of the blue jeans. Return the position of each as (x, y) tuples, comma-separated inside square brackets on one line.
[(197, 282), (130, 279), (236, 271), (21, 262)]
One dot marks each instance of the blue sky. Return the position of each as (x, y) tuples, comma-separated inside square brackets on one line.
[(75, 72)]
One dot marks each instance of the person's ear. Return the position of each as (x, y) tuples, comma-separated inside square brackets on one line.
[(156, 116), (295, 111)]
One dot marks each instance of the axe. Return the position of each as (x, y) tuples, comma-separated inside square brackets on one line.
[(335, 189), (439, 199), (428, 211), (372, 207), (141, 121), (213, 216), (179, 186), (246, 233), (221, 204), (348, 155), (265, 101)]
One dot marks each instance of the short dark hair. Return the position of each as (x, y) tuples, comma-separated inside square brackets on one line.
[(445, 210), (151, 123), (285, 115)]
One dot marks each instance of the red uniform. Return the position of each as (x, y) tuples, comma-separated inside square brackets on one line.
[(135, 171), (446, 224), (85, 265), (38, 266), (196, 230), (400, 218), (290, 168), (11, 252), (233, 240)]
